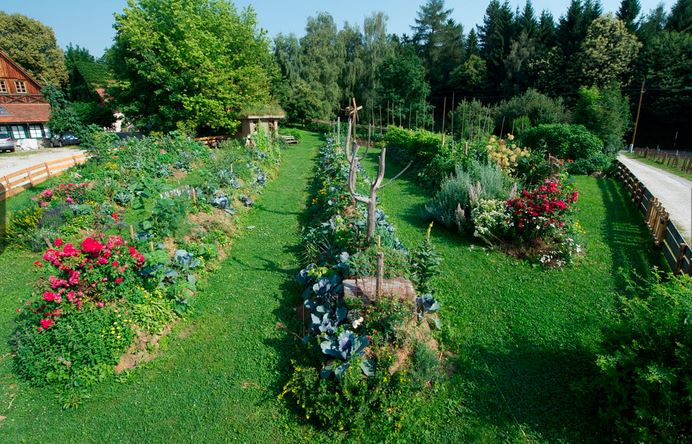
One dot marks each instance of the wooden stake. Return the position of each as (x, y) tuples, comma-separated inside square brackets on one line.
[(380, 267), (452, 113), (338, 130), (466, 148), (463, 119), (380, 120), (194, 197), (151, 246), (132, 233), (444, 118)]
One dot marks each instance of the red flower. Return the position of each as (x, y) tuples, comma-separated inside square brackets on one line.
[(114, 216), (118, 280), (91, 246), (46, 323), (58, 242), (69, 250), (49, 296)]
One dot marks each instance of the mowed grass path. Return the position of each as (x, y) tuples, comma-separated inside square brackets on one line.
[(218, 379), (525, 339)]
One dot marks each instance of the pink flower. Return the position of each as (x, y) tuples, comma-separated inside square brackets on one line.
[(43, 204), (91, 246), (100, 304), (73, 277), (69, 250), (69, 200), (118, 280), (58, 242), (49, 296), (45, 323)]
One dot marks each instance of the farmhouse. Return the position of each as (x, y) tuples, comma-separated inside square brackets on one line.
[(24, 111)]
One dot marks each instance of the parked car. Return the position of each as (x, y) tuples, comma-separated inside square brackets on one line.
[(65, 139), (6, 142)]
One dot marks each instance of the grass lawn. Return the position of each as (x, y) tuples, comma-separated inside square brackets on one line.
[(525, 338), (218, 379), (660, 166)]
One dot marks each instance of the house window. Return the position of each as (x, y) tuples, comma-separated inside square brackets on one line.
[(35, 131), (4, 132), (18, 132), (3, 87), (20, 86)]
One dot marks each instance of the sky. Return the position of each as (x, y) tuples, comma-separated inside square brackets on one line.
[(89, 23)]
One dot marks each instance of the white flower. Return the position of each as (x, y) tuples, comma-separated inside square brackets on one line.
[(357, 323)]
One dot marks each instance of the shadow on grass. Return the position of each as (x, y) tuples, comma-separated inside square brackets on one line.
[(532, 388), (630, 243)]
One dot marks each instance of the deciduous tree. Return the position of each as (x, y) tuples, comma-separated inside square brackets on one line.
[(192, 65), (32, 45)]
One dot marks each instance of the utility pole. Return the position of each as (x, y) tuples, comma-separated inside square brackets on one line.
[(639, 110)]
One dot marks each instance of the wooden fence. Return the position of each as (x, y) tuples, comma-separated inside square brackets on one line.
[(682, 163), (19, 181), (675, 249)]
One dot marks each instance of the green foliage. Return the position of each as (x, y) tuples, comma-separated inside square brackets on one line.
[(537, 107), (595, 164), (646, 365), (191, 66), (563, 141), (607, 52), (79, 350), (604, 112), (425, 262), (460, 193), (32, 45), (403, 82)]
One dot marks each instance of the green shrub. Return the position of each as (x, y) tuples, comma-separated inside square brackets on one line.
[(563, 141), (79, 350), (606, 113), (536, 107), (459, 193), (596, 164), (646, 366)]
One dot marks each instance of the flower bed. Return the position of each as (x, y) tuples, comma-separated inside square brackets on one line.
[(124, 248), (363, 358)]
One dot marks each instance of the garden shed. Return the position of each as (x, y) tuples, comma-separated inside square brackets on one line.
[(261, 117)]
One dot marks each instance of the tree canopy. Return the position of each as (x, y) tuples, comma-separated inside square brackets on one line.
[(189, 65), (32, 45)]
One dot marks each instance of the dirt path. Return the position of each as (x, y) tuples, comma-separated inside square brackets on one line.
[(674, 192), (11, 162)]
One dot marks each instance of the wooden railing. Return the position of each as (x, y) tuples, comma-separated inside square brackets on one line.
[(19, 181), (666, 235), (682, 163)]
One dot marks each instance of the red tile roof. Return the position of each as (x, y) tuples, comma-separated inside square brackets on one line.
[(24, 112)]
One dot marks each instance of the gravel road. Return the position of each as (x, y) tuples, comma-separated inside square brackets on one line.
[(674, 192), (11, 162)]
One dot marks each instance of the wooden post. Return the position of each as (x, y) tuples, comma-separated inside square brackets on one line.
[(466, 148), (338, 130), (380, 120), (444, 118), (28, 174), (45, 164), (151, 246), (132, 233), (380, 268), (639, 109), (463, 119), (194, 196), (451, 111), (369, 133)]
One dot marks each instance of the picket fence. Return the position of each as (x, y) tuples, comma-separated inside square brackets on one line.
[(666, 235), (21, 180)]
